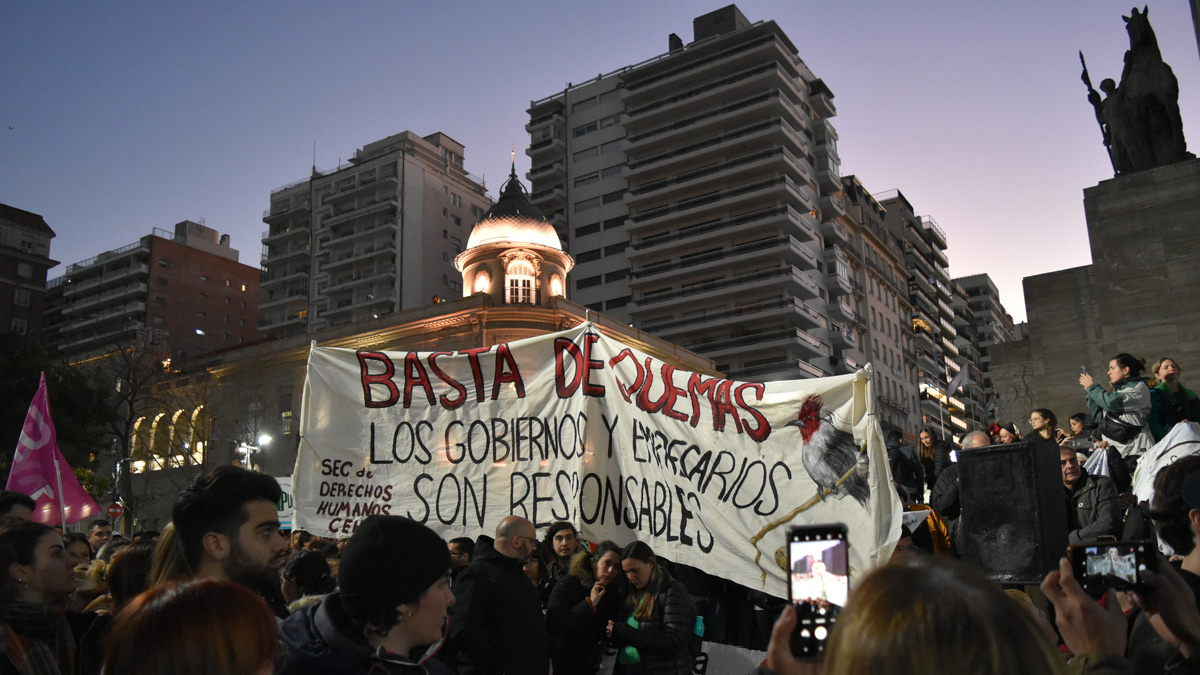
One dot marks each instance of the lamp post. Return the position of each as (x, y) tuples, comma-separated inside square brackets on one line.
[(248, 452)]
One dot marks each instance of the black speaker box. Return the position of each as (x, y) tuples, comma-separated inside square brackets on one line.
[(1014, 513)]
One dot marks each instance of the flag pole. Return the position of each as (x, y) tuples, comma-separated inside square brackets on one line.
[(62, 504)]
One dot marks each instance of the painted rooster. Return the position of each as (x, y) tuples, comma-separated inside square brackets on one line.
[(829, 453)]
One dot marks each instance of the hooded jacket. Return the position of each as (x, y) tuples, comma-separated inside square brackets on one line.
[(321, 639)]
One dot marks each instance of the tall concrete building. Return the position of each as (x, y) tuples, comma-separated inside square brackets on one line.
[(698, 192), (187, 284), (375, 236), (934, 335), (993, 325), (24, 260), (877, 256), (970, 390)]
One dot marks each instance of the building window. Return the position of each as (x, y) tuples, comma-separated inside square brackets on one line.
[(519, 282), (21, 298), (241, 322), (587, 204), (456, 220), (228, 283), (25, 270), (588, 282), (588, 256), (586, 154), (456, 200), (163, 262), (160, 300), (587, 178), (203, 277), (19, 326), (158, 321), (615, 249), (587, 229)]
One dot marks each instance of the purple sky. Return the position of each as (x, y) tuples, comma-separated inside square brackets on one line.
[(136, 115)]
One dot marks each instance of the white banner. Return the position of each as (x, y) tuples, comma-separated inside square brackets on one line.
[(576, 426)]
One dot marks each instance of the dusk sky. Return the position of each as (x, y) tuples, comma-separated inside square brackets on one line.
[(116, 118)]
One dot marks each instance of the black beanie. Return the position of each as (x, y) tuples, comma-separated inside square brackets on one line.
[(389, 561)]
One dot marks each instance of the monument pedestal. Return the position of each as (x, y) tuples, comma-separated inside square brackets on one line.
[(1141, 295)]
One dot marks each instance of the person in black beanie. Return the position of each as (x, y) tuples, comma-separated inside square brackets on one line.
[(393, 599)]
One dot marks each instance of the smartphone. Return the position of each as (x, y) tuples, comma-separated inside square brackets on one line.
[(1083, 370), (818, 583), (1101, 565)]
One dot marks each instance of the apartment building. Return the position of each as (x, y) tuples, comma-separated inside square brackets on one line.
[(24, 260), (186, 285), (697, 191), (884, 313), (374, 236), (937, 356), (993, 325), (970, 390)]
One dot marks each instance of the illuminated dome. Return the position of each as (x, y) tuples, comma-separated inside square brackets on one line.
[(513, 220)]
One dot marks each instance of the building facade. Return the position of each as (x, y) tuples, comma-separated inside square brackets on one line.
[(24, 260), (186, 285), (936, 354), (884, 313), (375, 236), (698, 193), (248, 400), (993, 325)]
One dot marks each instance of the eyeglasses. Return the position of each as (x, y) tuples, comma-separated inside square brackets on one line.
[(532, 539)]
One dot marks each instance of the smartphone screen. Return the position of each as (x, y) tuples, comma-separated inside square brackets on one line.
[(1102, 565), (818, 583)]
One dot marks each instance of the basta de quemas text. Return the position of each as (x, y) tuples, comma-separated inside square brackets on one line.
[(632, 425)]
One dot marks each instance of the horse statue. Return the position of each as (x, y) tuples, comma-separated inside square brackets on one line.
[(1140, 118)]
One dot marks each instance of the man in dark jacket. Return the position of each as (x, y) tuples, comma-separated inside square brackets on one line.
[(496, 624), (1093, 505), (906, 468), (391, 569)]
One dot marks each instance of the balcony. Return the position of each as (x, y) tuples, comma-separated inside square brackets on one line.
[(834, 232), (840, 338), (549, 199), (786, 338), (268, 324), (839, 364), (551, 171), (112, 277), (546, 150), (280, 235), (779, 189), (771, 161), (831, 207), (345, 215), (346, 258), (367, 183), (757, 78), (792, 280), (357, 279), (120, 312), (791, 311), (670, 161), (715, 120), (753, 253), (300, 295), (104, 298), (838, 284), (764, 222), (842, 308), (367, 302)]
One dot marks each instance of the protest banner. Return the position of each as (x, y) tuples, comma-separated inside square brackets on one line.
[(577, 426)]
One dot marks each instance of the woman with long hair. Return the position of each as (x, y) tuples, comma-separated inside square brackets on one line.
[(203, 627), (1122, 414), (660, 618), (36, 576), (1170, 401), (934, 455), (1045, 425), (583, 601)]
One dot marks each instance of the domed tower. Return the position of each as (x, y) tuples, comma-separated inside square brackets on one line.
[(513, 254)]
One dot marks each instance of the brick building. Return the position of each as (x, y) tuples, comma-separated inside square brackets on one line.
[(24, 260), (188, 285)]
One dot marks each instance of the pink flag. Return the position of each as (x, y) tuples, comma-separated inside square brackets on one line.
[(39, 470)]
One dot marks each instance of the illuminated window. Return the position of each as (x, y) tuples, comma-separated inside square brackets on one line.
[(519, 282)]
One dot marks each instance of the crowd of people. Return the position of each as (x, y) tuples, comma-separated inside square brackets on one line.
[(222, 589)]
